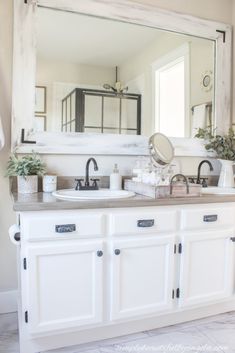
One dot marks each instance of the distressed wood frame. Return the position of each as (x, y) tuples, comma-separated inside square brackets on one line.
[(24, 69)]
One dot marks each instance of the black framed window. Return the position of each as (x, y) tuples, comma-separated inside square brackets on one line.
[(86, 110)]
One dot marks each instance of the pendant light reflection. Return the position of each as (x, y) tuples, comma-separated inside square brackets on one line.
[(118, 88)]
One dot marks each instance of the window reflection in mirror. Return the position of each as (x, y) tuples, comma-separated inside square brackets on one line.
[(106, 76)]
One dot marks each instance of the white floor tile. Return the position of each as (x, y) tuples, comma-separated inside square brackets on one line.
[(8, 322), (221, 333), (210, 335), (9, 342)]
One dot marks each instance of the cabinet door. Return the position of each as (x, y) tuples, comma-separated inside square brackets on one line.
[(142, 276), (206, 272), (64, 285)]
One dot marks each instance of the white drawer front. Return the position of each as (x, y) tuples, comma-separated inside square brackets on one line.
[(44, 225), (138, 222), (208, 217)]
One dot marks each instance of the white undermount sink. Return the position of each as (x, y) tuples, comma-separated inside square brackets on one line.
[(102, 194), (210, 190)]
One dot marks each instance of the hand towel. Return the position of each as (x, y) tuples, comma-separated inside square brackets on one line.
[(199, 118)]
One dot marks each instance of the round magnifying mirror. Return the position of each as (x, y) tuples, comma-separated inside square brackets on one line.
[(161, 149)]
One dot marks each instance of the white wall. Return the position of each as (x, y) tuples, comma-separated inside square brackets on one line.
[(211, 9), (201, 56), (52, 71)]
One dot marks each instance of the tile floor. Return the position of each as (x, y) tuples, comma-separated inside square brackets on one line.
[(213, 334)]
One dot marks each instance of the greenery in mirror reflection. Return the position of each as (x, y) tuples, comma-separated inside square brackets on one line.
[(222, 146)]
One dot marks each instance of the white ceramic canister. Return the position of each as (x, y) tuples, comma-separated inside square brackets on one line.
[(49, 183)]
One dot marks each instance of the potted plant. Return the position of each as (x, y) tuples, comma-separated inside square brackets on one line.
[(224, 149), (27, 169)]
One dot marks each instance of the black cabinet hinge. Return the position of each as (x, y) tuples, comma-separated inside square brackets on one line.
[(180, 248), (26, 317), (233, 239), (25, 263), (177, 293), (224, 34)]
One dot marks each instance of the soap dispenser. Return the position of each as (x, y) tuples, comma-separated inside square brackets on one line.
[(115, 179)]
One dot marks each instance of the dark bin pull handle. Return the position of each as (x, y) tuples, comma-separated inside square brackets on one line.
[(65, 228), (210, 218), (145, 223)]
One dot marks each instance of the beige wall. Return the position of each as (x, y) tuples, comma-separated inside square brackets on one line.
[(216, 10), (7, 251), (220, 10)]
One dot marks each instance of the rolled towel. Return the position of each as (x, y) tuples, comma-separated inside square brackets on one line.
[(199, 118), (12, 232)]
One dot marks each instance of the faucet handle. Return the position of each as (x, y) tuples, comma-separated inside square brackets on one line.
[(192, 180), (95, 182), (204, 182), (79, 183)]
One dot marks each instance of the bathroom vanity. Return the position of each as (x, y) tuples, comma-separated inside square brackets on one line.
[(101, 271), (94, 270)]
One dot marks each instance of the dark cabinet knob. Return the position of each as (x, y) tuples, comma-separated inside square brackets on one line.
[(99, 253), (117, 251)]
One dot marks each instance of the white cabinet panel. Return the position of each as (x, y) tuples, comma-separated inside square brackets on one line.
[(64, 285), (207, 217), (44, 225), (206, 267), (142, 276), (143, 221)]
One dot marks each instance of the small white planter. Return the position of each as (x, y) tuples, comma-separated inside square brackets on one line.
[(28, 184)]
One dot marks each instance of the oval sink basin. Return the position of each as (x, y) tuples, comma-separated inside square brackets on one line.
[(217, 191), (102, 194)]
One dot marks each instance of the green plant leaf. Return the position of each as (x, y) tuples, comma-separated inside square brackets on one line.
[(223, 146), (27, 165)]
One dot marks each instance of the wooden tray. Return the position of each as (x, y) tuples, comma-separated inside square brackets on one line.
[(162, 191)]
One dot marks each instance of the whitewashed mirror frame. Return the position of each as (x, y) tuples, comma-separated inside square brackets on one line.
[(24, 71)]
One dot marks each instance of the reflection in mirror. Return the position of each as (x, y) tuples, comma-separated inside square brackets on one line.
[(107, 76)]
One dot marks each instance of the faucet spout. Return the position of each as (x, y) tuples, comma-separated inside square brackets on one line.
[(199, 169), (87, 182)]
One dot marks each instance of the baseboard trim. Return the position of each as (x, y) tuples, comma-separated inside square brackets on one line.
[(8, 302)]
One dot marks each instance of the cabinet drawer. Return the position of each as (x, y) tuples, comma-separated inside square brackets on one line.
[(138, 222), (208, 217), (54, 225)]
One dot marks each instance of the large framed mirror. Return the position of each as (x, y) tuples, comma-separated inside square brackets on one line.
[(100, 78)]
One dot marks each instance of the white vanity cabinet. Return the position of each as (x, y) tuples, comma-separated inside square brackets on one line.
[(142, 276), (206, 267), (63, 284), (93, 274), (206, 254)]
